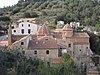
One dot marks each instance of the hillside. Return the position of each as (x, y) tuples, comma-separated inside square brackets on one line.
[(87, 12)]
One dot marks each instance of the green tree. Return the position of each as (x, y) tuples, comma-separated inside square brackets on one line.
[(97, 26)]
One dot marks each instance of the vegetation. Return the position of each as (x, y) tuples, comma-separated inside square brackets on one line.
[(30, 15), (97, 27), (95, 43), (87, 12), (4, 18), (15, 63)]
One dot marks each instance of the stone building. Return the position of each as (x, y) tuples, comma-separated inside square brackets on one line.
[(48, 45)]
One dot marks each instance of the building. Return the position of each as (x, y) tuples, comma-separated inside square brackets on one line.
[(25, 28), (48, 45)]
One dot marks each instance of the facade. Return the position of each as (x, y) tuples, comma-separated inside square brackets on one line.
[(25, 28), (48, 45)]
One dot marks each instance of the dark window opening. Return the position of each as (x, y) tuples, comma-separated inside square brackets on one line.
[(46, 38), (61, 48), (22, 25), (47, 52), (86, 47), (14, 31), (69, 45), (27, 20), (35, 52), (29, 31), (80, 49), (28, 25), (22, 31), (22, 43)]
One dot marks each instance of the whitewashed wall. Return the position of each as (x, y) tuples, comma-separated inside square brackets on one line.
[(32, 27)]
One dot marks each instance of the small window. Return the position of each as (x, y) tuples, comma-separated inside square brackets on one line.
[(22, 31), (86, 47), (28, 25), (46, 38), (22, 25), (80, 50), (47, 52), (14, 31), (27, 20), (22, 43), (29, 31), (69, 45), (35, 52)]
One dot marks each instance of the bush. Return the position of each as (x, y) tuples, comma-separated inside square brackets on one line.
[(30, 15), (4, 18), (16, 10)]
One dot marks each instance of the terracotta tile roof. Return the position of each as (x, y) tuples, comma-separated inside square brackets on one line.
[(57, 35), (18, 37), (43, 30), (56, 60), (67, 27), (42, 44), (80, 34), (64, 46), (20, 40), (3, 43), (81, 43)]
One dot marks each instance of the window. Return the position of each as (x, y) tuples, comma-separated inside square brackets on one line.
[(80, 50), (22, 25), (28, 25), (22, 31), (22, 43), (69, 45), (86, 47), (35, 52), (14, 31), (46, 38), (29, 31), (47, 52), (27, 20)]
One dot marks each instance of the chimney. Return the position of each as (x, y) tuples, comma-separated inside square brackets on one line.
[(9, 36)]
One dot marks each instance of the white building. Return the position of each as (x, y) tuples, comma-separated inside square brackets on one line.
[(25, 28), (75, 24)]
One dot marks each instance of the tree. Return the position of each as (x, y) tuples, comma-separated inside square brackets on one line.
[(4, 18), (94, 43), (30, 14), (16, 10), (97, 26)]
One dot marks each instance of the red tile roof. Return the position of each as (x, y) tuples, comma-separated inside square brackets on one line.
[(18, 37), (67, 27), (43, 30), (3, 43), (42, 44)]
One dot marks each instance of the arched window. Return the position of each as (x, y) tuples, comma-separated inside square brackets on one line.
[(47, 52), (69, 45), (35, 52)]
